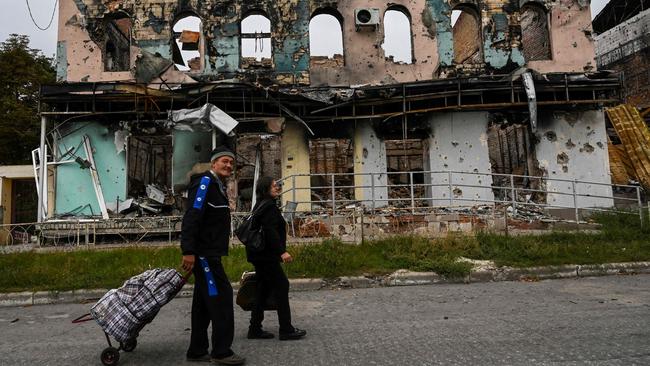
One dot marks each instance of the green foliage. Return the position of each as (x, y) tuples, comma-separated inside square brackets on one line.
[(22, 71)]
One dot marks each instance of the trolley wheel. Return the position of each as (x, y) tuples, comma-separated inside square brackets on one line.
[(110, 356), (129, 345)]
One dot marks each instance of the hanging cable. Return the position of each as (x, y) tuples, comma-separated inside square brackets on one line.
[(56, 2)]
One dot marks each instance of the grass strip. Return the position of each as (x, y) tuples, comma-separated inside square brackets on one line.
[(622, 239)]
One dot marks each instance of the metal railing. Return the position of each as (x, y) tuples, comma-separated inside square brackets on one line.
[(434, 192), (514, 190)]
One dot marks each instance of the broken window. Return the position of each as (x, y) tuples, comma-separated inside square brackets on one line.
[(329, 156), (405, 159), (149, 163), (535, 38), (117, 46), (511, 152), (398, 42), (326, 38), (466, 28), (187, 44), (256, 40)]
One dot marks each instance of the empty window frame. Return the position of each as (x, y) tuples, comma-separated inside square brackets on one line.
[(149, 163), (117, 43), (326, 36), (256, 37), (398, 40), (187, 43), (535, 38), (331, 157), (405, 159), (466, 29)]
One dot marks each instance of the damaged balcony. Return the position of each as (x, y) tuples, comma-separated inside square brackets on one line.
[(146, 140)]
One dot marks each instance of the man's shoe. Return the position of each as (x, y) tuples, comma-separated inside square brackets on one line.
[(259, 334), (296, 334), (205, 358), (233, 359)]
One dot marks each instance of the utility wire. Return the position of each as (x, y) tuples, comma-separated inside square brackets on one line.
[(56, 2)]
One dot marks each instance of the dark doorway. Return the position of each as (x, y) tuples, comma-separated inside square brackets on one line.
[(25, 201)]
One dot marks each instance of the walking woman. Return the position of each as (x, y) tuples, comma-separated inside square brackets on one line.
[(270, 276)]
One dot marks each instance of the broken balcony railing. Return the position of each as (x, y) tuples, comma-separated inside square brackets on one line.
[(445, 189)]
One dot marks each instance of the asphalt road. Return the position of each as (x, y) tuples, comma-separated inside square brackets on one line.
[(589, 321)]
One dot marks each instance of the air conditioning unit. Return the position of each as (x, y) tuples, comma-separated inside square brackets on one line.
[(366, 18)]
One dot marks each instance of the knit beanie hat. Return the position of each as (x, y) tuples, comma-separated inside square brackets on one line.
[(221, 151)]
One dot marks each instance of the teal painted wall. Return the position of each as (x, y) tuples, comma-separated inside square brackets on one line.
[(61, 61), (440, 14), (74, 186), (189, 148)]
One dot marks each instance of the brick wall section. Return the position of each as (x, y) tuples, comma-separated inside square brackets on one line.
[(467, 41), (534, 34), (636, 74)]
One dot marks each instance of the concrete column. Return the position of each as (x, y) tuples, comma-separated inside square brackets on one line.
[(295, 160), (42, 205), (369, 157), (573, 145), (458, 144)]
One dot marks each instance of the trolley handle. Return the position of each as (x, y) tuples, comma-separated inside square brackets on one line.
[(83, 318)]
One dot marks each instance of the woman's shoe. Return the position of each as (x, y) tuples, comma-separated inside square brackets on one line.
[(296, 334), (259, 334)]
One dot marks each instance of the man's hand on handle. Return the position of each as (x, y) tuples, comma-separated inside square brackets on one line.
[(188, 262)]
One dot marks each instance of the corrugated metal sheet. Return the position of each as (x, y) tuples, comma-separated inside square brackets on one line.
[(635, 138)]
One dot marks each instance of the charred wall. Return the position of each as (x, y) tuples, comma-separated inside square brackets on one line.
[(83, 40)]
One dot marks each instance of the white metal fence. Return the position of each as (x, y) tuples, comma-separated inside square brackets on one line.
[(414, 193)]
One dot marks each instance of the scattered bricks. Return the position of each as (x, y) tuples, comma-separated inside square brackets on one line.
[(312, 228)]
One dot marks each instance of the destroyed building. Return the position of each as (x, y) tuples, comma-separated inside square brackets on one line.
[(508, 97), (623, 44)]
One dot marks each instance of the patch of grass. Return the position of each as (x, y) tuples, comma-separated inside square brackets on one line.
[(622, 239)]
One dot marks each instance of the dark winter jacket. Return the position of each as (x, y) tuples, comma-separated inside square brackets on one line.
[(275, 232), (205, 230)]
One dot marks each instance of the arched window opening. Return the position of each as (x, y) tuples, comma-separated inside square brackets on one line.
[(256, 37), (117, 44), (466, 29), (535, 38), (326, 38), (187, 44), (398, 41)]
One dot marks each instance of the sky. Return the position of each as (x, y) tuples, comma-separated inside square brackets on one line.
[(16, 19)]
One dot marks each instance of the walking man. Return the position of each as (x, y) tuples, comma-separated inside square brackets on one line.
[(205, 234)]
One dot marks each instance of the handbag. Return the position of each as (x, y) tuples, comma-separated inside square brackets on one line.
[(246, 295), (251, 237)]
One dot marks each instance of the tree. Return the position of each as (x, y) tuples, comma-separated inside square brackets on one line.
[(22, 71)]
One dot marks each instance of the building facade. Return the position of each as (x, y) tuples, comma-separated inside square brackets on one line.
[(459, 116)]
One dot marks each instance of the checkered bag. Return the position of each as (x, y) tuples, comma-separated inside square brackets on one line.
[(124, 311)]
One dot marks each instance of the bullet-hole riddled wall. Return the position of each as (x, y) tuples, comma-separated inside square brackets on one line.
[(373, 92)]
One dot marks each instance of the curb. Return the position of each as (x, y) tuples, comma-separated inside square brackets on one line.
[(398, 278)]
